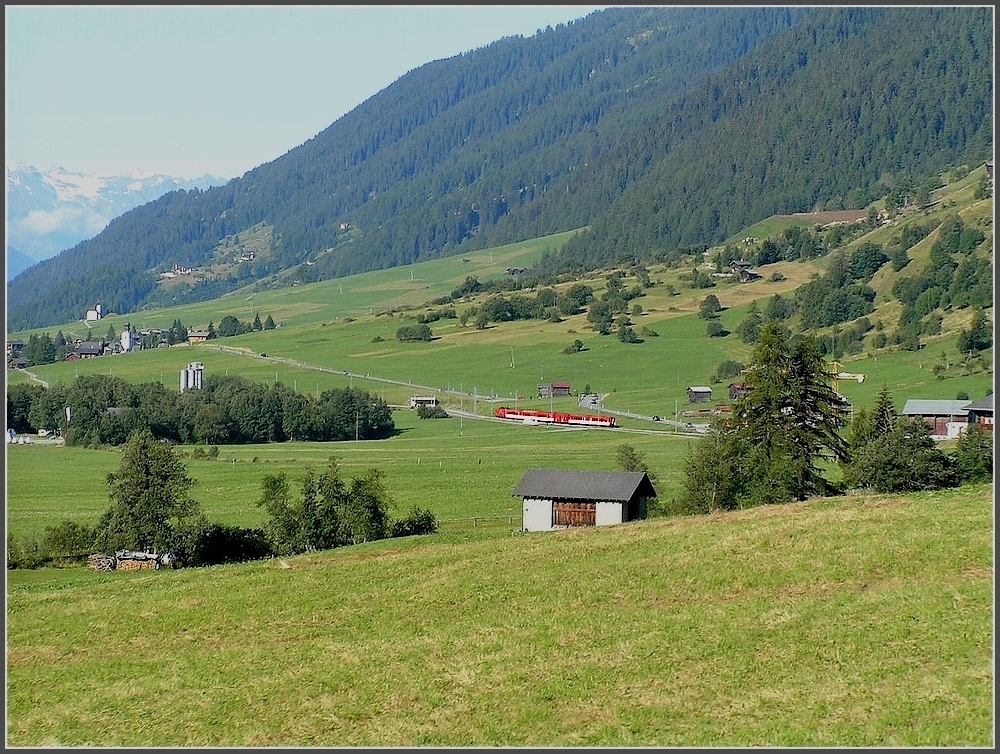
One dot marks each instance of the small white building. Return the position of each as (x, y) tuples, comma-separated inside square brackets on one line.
[(553, 499)]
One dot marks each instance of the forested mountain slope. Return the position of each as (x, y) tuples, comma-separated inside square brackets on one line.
[(655, 126)]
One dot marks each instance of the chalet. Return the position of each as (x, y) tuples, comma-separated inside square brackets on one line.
[(947, 419), (554, 390), (88, 349), (198, 336), (553, 499), (699, 394), (981, 412), (14, 348)]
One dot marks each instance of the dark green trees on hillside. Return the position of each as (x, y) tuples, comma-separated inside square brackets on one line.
[(767, 451)]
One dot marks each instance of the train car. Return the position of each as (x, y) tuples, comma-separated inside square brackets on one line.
[(529, 416)]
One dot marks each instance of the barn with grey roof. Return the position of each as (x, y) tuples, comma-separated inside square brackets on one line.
[(557, 499)]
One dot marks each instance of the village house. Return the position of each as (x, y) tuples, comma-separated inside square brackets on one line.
[(737, 390), (88, 349), (554, 499)]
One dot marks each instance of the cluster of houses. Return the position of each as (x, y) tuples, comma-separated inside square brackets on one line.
[(177, 269), (740, 269), (129, 340)]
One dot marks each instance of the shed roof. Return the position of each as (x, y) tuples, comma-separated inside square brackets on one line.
[(611, 486), (699, 388), (982, 405), (935, 408)]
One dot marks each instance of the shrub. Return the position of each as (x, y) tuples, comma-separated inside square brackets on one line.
[(716, 330), (417, 521), (431, 412), (68, 540), (974, 455)]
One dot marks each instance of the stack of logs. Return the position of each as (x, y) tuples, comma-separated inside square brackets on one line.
[(101, 562), (128, 560)]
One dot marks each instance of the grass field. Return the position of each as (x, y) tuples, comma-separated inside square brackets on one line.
[(858, 621), (460, 469)]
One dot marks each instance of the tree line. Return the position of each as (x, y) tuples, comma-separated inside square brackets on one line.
[(104, 410)]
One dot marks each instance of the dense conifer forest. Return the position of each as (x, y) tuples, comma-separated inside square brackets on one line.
[(654, 128)]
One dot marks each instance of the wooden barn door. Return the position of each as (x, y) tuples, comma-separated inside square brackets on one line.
[(573, 514)]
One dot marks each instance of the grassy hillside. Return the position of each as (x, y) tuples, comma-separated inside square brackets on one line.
[(860, 621)]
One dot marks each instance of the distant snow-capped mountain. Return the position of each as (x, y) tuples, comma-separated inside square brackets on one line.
[(48, 212)]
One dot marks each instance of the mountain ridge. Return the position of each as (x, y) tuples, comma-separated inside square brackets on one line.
[(618, 121), (54, 209)]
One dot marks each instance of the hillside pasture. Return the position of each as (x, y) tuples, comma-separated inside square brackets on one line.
[(860, 621)]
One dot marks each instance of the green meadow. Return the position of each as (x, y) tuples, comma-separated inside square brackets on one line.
[(855, 621), (463, 470)]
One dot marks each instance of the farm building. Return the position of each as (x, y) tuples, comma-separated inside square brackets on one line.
[(981, 412), (553, 499), (554, 390), (699, 394), (416, 401), (947, 419), (737, 390)]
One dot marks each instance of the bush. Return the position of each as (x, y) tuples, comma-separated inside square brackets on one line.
[(904, 460), (727, 370), (431, 412), (26, 554), (214, 544), (417, 521), (419, 332), (68, 541), (974, 455), (716, 330)]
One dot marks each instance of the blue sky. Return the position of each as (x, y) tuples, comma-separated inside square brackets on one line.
[(187, 90)]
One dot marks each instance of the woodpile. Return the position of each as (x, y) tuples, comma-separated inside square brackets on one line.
[(131, 560), (101, 562)]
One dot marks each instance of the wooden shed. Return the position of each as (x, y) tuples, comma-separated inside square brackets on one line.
[(699, 394), (554, 499)]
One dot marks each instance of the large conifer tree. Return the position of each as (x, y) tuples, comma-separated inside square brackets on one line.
[(769, 448)]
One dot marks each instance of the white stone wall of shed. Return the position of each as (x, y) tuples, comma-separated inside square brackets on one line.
[(537, 515), (608, 513)]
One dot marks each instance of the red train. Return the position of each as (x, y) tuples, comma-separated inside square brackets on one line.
[(553, 417)]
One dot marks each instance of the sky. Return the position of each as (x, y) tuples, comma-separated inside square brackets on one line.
[(218, 90)]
